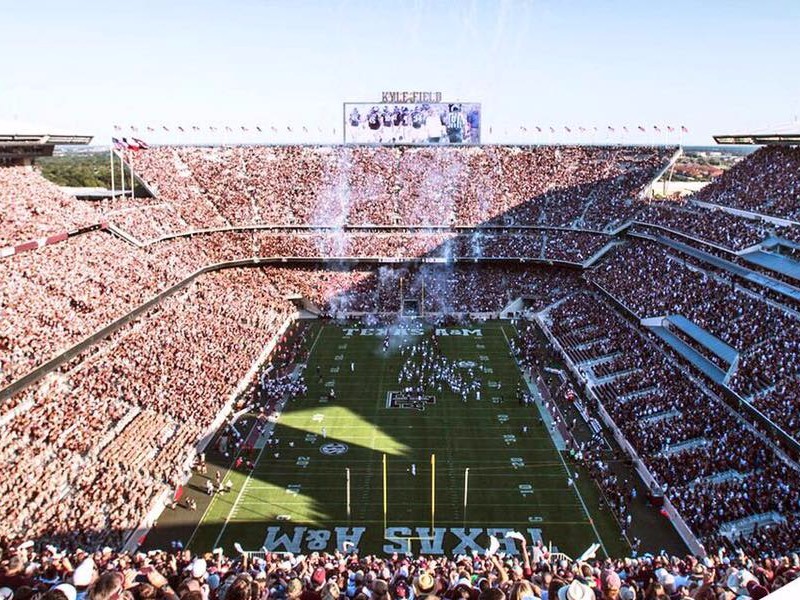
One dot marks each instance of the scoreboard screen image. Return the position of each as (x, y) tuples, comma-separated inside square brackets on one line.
[(447, 123)]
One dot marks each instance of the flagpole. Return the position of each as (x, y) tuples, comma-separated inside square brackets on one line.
[(111, 160), (133, 185), (122, 171)]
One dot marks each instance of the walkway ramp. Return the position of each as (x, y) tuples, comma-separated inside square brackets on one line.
[(774, 262), (693, 356), (702, 337)]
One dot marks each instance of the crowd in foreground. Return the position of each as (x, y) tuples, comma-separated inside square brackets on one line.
[(532, 573)]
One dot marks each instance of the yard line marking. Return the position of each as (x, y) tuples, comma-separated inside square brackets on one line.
[(314, 345)]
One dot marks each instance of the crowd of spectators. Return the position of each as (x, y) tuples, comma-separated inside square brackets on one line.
[(575, 186), (651, 281), (714, 470), (764, 182), (67, 473), (33, 207), (780, 405), (713, 225), (79, 471), (534, 573)]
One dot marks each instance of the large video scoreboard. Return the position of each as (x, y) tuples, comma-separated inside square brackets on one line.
[(412, 118)]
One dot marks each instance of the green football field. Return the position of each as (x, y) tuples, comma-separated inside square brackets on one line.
[(297, 501)]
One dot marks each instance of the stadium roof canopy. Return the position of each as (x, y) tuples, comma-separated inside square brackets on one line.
[(760, 139), (24, 140)]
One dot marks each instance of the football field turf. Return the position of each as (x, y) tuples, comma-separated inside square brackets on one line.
[(297, 500)]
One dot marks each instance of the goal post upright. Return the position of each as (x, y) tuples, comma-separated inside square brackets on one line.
[(384, 493), (347, 471), (433, 492)]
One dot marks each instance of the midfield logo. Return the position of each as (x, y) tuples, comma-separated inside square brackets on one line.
[(409, 400), (333, 449)]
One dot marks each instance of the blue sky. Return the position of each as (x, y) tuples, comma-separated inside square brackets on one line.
[(714, 66)]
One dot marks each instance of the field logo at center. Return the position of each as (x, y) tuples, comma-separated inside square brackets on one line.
[(334, 449)]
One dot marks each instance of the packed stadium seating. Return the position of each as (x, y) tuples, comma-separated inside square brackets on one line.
[(78, 427), (689, 440), (715, 226), (765, 335), (335, 186), (764, 183), (33, 207)]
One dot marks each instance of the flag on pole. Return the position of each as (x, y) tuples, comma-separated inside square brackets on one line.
[(118, 145), (150, 128), (244, 128), (656, 127), (180, 128), (568, 129), (610, 128), (581, 128), (141, 144), (642, 128), (552, 129), (683, 129), (523, 129), (258, 128), (670, 128), (228, 128), (117, 128), (289, 129), (539, 129), (133, 128), (132, 145), (305, 129), (165, 128), (625, 128), (195, 128)]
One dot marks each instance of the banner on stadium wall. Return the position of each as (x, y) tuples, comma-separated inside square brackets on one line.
[(434, 123)]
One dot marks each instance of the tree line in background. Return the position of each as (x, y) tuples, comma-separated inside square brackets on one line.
[(83, 170)]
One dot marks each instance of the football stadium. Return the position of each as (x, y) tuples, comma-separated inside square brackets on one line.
[(405, 350)]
